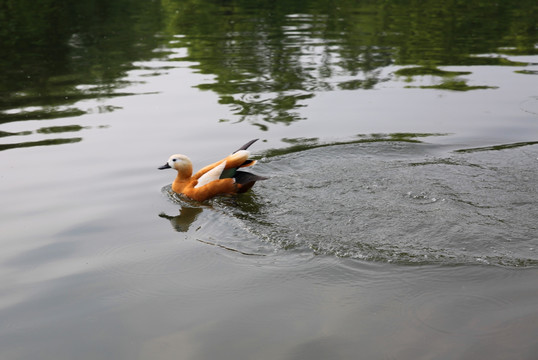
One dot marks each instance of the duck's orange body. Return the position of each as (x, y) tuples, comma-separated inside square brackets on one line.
[(218, 178)]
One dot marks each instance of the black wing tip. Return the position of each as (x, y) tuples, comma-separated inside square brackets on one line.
[(246, 146), (243, 177)]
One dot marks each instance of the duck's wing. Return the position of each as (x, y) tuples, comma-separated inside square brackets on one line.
[(211, 175), (234, 164), (216, 184), (231, 170), (237, 159), (231, 162)]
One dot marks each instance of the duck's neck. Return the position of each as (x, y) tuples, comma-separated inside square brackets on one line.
[(182, 179)]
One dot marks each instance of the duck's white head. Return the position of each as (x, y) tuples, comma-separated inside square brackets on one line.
[(179, 162)]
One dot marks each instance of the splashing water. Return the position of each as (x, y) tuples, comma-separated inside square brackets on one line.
[(398, 202)]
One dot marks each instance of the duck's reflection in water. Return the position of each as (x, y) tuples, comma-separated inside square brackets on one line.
[(183, 221), (187, 216)]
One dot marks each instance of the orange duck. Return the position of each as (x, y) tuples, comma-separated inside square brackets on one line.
[(218, 178)]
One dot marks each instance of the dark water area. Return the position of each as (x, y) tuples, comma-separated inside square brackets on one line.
[(398, 221), (265, 59)]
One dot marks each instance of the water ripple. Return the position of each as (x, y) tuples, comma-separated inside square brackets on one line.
[(471, 208)]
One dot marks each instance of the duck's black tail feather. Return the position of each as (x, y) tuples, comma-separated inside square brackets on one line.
[(244, 147), (246, 180)]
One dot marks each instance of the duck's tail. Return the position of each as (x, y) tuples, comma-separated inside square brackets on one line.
[(246, 180)]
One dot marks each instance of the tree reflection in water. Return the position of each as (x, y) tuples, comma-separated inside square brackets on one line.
[(266, 59)]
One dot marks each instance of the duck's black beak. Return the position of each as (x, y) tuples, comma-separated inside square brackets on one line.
[(165, 166)]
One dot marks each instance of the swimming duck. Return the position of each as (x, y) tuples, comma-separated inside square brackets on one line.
[(221, 177)]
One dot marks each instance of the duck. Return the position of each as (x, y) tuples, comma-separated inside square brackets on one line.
[(219, 178)]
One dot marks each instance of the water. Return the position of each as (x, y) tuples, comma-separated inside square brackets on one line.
[(398, 221), (397, 202)]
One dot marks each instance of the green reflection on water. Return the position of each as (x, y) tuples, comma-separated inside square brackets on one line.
[(527, 72), (301, 144), (40, 143), (267, 58), (425, 70), (455, 85), (60, 129), (498, 147), (49, 50), (267, 55)]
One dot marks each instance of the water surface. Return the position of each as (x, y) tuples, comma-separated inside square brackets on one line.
[(401, 142)]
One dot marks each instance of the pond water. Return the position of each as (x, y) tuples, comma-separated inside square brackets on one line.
[(399, 220)]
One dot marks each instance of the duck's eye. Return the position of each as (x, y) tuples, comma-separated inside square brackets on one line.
[(174, 160)]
